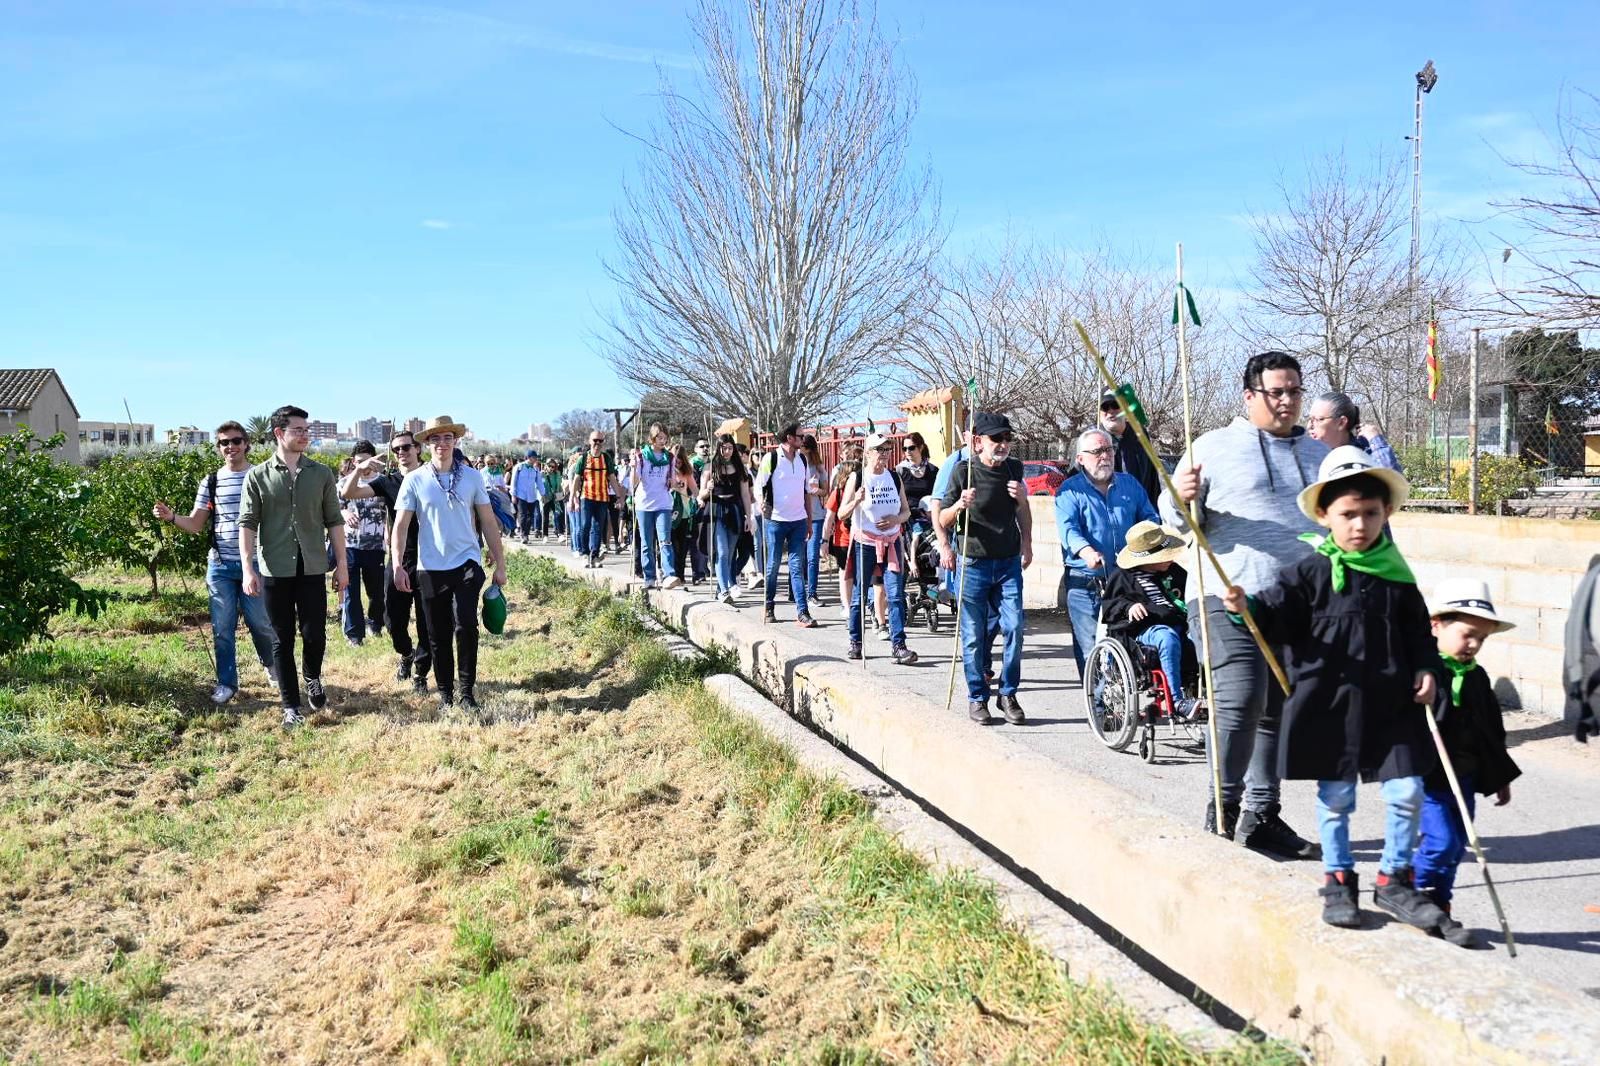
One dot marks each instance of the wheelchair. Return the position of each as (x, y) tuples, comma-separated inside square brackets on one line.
[(1126, 693)]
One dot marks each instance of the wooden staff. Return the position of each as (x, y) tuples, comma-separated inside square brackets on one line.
[(961, 561), (1200, 571), (1166, 479), (1472, 831)]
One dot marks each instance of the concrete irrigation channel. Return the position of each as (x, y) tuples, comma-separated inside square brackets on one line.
[(1116, 844)]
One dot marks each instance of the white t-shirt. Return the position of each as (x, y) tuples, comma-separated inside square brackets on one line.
[(652, 490), (882, 501), (788, 477), (444, 506)]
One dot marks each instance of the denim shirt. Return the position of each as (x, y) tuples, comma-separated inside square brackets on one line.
[(1086, 519)]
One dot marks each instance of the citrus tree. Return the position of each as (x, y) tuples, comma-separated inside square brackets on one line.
[(116, 512), (39, 531)]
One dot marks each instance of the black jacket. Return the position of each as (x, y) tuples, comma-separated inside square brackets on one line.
[(1474, 734), (1131, 459), (1352, 658), (1123, 591)]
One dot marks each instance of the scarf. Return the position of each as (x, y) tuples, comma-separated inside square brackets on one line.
[(1382, 560), (649, 454), (1458, 675)]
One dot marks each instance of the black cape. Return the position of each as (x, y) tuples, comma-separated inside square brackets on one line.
[(1474, 734)]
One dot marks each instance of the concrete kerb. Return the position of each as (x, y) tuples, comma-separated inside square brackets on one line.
[(1244, 930)]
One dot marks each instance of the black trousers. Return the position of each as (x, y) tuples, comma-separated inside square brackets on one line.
[(451, 601), (397, 610), (300, 601)]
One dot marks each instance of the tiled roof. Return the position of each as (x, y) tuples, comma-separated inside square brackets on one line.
[(19, 388), (930, 399)]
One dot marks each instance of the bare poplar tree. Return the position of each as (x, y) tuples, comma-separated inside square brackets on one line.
[(775, 247), (1331, 276), (1563, 246)]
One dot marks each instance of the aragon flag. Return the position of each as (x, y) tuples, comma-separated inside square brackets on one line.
[(1435, 374), (1551, 426)]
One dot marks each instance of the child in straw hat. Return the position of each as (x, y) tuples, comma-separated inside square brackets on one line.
[(1360, 658), (1474, 737), (1146, 596)]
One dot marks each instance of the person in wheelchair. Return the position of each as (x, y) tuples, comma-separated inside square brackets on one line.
[(1144, 600)]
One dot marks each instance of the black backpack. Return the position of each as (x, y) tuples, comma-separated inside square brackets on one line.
[(772, 472), (211, 495)]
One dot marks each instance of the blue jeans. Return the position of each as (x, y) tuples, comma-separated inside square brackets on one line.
[(787, 538), (225, 584), (1169, 645), (1402, 814), (1083, 610), (814, 550), (730, 520), (366, 568), (655, 531), (592, 532), (993, 589), (894, 587), (1444, 839)]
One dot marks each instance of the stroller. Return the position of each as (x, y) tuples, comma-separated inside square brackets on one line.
[(925, 591)]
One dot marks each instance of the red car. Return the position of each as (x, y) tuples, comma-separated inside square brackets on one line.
[(1044, 476)]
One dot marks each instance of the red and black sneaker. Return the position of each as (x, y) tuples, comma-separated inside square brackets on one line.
[(1339, 891), (1394, 893)]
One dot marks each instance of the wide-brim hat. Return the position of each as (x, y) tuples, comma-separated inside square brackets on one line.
[(1469, 596), (442, 424), (1348, 461), (1150, 542)]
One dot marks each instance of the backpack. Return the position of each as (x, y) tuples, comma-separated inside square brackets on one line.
[(211, 497), (769, 467)]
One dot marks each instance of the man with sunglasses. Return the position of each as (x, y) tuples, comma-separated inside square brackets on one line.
[(1095, 508), (217, 504), (593, 478), (1244, 481), (1129, 455), (399, 607)]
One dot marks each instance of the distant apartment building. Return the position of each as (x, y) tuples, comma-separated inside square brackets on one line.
[(540, 432), (117, 434), (323, 430), (374, 430), (415, 425), (38, 399), (188, 437)]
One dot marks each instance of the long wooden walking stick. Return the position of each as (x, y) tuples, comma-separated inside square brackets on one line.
[(1472, 831), (638, 472), (961, 559), (1166, 479), (1180, 309)]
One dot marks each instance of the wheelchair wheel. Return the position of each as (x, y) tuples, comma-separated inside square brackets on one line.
[(1111, 694)]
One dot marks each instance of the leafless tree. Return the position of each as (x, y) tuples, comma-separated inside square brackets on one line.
[(1562, 247), (775, 248), (1331, 278), (576, 425)]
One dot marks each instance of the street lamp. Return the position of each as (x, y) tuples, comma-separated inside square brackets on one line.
[(1427, 78)]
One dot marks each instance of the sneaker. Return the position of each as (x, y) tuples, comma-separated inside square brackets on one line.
[(594, 560), (1266, 832), (816, 601), (978, 711), (904, 655), (855, 650), (1453, 931), (271, 670), (374, 629), (469, 702), (354, 642), (315, 693), (1339, 892), (292, 718), (805, 621), (1190, 709), (673, 583), (883, 632), (447, 701), (1011, 709), (755, 582), (729, 597), (403, 671), (419, 684), (1395, 894), (768, 617), (1230, 818), (222, 694)]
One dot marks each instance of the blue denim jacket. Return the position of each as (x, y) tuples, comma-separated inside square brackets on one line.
[(1085, 518)]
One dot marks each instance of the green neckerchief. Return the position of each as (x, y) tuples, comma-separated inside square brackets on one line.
[(650, 456), (1382, 560), (1459, 671), (1172, 593)]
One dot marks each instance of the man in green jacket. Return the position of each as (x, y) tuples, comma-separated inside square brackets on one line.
[(290, 511)]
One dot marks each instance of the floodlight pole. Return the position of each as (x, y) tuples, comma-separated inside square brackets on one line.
[(1426, 79)]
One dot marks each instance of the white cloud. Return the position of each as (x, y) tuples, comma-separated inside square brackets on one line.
[(435, 223)]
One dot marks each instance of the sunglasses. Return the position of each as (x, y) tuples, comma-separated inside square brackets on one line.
[(1002, 438), (402, 447), (230, 442)]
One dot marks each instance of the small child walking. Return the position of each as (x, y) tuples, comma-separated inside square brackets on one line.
[(1146, 596), (1360, 658), (1474, 735)]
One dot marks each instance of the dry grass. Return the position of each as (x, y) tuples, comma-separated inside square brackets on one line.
[(614, 870)]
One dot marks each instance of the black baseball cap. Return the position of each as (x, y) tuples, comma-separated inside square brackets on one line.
[(990, 424), (1108, 401)]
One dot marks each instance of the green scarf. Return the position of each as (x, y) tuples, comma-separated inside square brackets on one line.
[(1459, 671), (650, 456), (1382, 560)]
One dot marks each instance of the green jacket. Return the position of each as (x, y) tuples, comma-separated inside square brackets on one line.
[(289, 514)]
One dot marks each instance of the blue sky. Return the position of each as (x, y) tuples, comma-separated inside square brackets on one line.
[(384, 208)]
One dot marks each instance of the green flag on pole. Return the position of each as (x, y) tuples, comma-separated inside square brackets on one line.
[(1194, 314)]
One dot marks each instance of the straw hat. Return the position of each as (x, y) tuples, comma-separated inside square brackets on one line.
[(1469, 596), (1149, 543), (1348, 461), (442, 424)]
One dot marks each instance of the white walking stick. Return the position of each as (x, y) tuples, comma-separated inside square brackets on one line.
[(1472, 831)]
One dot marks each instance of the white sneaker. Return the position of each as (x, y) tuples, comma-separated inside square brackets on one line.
[(221, 694), (673, 583), (816, 601), (730, 598), (883, 634)]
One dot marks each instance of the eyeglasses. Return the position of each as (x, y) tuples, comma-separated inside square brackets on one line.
[(1002, 438), (402, 447), (1104, 449), (1275, 395), (230, 442)]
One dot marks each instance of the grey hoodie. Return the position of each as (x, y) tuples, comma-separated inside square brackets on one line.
[(1249, 481)]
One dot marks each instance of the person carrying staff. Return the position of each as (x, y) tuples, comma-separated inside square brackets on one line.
[(875, 502)]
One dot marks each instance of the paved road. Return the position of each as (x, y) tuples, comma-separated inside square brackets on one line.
[(1544, 848)]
